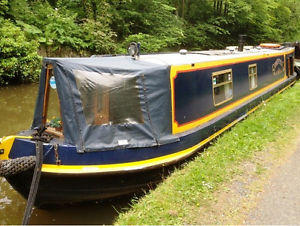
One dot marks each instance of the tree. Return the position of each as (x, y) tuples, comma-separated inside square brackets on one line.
[(3, 7), (19, 60), (153, 23)]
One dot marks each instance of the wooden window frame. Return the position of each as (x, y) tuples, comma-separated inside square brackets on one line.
[(252, 75), (215, 74)]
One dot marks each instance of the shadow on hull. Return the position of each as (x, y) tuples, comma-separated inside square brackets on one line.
[(70, 189)]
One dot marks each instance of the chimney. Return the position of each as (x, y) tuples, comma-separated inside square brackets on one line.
[(241, 42)]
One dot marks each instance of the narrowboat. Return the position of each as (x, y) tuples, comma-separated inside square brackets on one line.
[(122, 119)]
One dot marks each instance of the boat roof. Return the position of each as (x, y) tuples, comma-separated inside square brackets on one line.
[(147, 61), (209, 55)]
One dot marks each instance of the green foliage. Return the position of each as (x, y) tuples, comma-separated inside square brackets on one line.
[(3, 7), (149, 43), (62, 31), (18, 58), (107, 26), (286, 18), (98, 37), (85, 27), (152, 23), (66, 26), (55, 123), (47, 25), (218, 23)]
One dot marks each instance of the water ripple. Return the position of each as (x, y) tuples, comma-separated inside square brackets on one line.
[(5, 201)]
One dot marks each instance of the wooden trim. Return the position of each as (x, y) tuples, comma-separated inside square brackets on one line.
[(222, 84), (54, 132), (46, 94), (250, 75), (217, 73)]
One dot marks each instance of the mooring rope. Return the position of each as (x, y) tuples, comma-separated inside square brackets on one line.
[(34, 183)]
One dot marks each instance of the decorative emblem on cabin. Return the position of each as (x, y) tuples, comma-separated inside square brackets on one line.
[(278, 67)]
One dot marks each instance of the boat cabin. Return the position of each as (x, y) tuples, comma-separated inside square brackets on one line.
[(122, 102)]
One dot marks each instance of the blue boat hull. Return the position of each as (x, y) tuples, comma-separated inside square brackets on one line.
[(66, 187)]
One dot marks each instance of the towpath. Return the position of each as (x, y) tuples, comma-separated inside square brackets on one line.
[(266, 191), (279, 203)]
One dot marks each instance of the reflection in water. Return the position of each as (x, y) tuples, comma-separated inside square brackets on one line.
[(12, 205), (102, 212), (17, 107), (16, 114)]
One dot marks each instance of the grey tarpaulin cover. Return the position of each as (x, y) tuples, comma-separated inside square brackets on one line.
[(110, 102)]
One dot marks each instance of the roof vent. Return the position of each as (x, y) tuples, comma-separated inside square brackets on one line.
[(183, 51), (231, 48)]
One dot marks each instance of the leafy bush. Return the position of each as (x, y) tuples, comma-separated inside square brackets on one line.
[(149, 43), (19, 60), (152, 23), (61, 28), (62, 31), (205, 36), (47, 25), (3, 7), (99, 37)]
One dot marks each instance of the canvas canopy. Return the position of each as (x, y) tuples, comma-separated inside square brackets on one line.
[(110, 102)]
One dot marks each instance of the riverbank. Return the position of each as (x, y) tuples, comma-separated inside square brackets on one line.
[(279, 203), (220, 186)]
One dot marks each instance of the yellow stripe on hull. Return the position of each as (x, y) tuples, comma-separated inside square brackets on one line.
[(151, 163), (164, 160), (6, 144)]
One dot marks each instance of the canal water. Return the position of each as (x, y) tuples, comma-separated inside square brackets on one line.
[(16, 112)]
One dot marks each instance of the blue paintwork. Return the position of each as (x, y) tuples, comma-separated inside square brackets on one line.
[(192, 89)]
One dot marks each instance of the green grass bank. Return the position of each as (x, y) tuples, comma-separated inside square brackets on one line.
[(182, 196)]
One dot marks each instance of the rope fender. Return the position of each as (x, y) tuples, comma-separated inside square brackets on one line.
[(14, 166)]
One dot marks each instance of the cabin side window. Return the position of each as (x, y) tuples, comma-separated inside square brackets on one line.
[(252, 73), (108, 98), (222, 86)]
